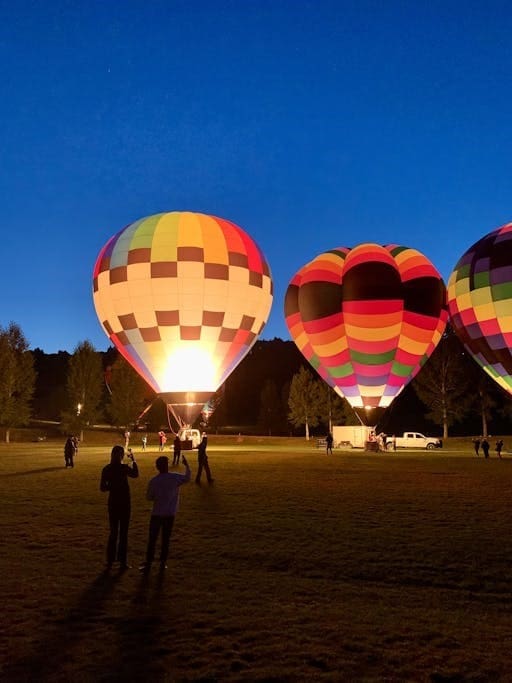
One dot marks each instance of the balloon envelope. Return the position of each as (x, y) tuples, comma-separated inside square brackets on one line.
[(367, 319), (480, 303), (183, 296)]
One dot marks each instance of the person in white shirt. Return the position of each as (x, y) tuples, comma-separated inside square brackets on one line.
[(164, 491)]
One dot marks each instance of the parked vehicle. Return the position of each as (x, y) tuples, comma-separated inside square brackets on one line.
[(415, 440), (360, 436), (190, 438), (355, 436)]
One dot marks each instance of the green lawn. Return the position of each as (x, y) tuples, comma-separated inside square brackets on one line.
[(293, 566)]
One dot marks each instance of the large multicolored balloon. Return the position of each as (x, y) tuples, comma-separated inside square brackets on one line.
[(367, 319), (480, 303), (183, 296)]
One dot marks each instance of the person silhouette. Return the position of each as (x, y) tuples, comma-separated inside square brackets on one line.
[(114, 479), (328, 444), (485, 447), (164, 491), (69, 452), (499, 446), (176, 450), (202, 461)]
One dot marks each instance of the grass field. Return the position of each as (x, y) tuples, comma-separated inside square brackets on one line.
[(293, 566)]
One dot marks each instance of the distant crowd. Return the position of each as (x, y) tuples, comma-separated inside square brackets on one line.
[(482, 443)]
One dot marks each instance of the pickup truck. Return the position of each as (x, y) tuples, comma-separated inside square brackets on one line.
[(414, 440)]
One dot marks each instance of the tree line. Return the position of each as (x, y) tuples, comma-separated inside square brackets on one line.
[(273, 391)]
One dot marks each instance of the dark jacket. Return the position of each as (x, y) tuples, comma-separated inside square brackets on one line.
[(201, 450), (114, 479)]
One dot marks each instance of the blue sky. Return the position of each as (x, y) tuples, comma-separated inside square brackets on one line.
[(311, 125)]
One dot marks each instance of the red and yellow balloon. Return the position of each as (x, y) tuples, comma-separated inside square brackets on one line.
[(183, 296), (367, 319)]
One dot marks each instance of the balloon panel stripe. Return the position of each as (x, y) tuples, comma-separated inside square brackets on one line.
[(180, 298), (391, 312), (480, 302)]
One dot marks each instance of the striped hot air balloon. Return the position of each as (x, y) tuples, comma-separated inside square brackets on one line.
[(183, 297), (367, 319), (480, 303)]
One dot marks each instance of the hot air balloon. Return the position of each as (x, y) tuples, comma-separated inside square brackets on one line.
[(480, 303), (367, 319), (183, 296)]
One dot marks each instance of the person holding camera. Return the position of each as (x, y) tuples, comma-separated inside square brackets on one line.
[(164, 491), (114, 479)]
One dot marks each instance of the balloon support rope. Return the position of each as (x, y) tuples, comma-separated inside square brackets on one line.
[(170, 411)]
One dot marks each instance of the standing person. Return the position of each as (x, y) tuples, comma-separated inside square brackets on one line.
[(114, 479), (164, 491), (499, 446), (485, 447), (476, 445), (144, 442), (69, 451), (328, 444), (176, 451), (161, 440), (202, 461), (393, 441), (127, 439)]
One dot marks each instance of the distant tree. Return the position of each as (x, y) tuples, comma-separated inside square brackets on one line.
[(505, 409), (485, 396), (270, 417), (128, 393), (333, 409), (444, 383), (50, 396), (284, 396), (17, 379), (274, 360), (84, 386), (304, 400)]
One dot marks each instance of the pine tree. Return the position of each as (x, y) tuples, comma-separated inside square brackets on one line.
[(270, 408), (304, 401), (333, 408), (128, 394), (444, 383), (17, 379), (84, 386)]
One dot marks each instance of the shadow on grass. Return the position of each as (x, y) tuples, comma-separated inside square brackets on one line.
[(42, 470), (110, 634), (145, 633), (55, 648)]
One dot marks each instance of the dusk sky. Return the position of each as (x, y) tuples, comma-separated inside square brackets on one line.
[(311, 125)]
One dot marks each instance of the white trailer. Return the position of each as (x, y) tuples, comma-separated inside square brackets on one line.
[(354, 436), (190, 438)]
